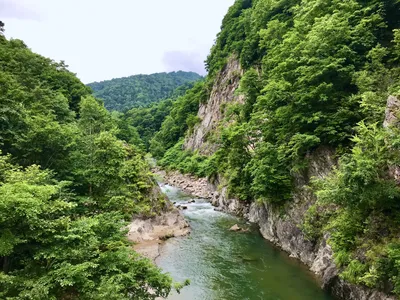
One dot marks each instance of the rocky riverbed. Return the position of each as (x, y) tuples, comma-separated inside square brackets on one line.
[(148, 234)]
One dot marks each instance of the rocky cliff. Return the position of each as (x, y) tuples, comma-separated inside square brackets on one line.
[(280, 226), (212, 112)]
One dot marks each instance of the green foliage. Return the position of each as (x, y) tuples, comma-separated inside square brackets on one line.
[(250, 86), (122, 94), (148, 120), (29, 70), (188, 163), (71, 176), (361, 181), (313, 70), (183, 113), (364, 230), (271, 181), (49, 251), (127, 132)]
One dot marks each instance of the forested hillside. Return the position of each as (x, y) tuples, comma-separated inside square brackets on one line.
[(160, 125), (125, 93), (71, 175), (314, 75)]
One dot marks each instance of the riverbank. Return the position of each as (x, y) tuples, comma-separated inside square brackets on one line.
[(281, 229), (149, 234)]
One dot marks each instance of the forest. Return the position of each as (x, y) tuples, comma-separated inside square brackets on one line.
[(71, 176), (316, 75), (122, 94)]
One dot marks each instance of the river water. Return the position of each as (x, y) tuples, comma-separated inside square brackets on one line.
[(225, 265)]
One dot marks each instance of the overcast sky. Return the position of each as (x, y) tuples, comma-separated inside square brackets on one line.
[(102, 39)]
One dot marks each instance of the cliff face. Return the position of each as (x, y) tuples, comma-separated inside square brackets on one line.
[(212, 112), (281, 227)]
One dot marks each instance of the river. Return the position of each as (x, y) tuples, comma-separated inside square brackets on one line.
[(225, 265)]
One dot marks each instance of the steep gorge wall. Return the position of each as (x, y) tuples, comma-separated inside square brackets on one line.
[(212, 112), (281, 227)]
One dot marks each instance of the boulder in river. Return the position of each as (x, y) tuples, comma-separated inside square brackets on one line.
[(235, 228)]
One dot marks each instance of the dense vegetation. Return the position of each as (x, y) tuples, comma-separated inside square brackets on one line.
[(149, 119), (317, 74), (122, 94), (69, 180)]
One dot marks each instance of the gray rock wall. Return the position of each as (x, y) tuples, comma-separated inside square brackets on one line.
[(212, 112)]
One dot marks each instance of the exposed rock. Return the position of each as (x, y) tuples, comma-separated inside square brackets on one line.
[(212, 112), (149, 232), (198, 187), (345, 290), (392, 109), (149, 229), (235, 228), (392, 119)]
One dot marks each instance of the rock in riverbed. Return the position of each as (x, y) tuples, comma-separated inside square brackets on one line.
[(235, 228), (149, 233)]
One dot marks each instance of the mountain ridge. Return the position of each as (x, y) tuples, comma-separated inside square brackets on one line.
[(140, 90)]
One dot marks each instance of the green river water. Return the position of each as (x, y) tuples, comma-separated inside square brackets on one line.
[(227, 265)]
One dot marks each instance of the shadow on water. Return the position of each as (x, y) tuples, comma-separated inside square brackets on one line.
[(228, 265)]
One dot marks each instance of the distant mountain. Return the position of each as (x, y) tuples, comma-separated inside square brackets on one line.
[(125, 93)]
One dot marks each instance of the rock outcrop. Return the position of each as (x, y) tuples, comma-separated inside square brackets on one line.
[(392, 119), (148, 233), (391, 113), (212, 112)]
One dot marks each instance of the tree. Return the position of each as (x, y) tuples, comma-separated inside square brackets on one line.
[(68, 185), (47, 251), (122, 94)]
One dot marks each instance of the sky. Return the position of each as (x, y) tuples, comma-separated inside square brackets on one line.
[(102, 39)]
